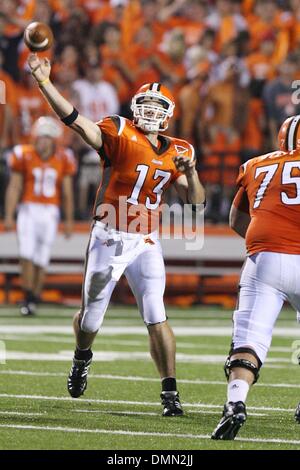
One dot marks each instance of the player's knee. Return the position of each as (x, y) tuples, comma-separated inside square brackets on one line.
[(90, 322), (41, 256), (244, 358), (152, 327), (77, 317), (26, 253), (153, 310), (97, 283), (88, 327)]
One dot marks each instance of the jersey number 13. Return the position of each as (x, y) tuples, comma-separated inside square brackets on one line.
[(157, 190)]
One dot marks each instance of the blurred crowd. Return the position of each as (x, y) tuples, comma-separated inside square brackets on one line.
[(229, 63)]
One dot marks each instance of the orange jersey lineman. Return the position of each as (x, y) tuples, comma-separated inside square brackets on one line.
[(272, 185), (136, 171), (42, 178)]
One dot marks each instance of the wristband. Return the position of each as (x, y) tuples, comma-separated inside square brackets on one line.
[(68, 120), (44, 82)]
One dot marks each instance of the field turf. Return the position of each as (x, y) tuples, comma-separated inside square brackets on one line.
[(121, 407)]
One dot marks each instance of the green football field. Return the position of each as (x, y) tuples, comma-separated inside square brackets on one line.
[(121, 407)]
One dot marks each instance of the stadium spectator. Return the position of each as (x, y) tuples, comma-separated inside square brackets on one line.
[(190, 101), (267, 16), (9, 47), (188, 15), (8, 109), (224, 118), (30, 106), (118, 64), (225, 22), (144, 50), (170, 66), (73, 29), (68, 60), (277, 98), (97, 98)]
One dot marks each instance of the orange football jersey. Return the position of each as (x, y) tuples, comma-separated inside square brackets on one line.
[(272, 185), (136, 174), (42, 179)]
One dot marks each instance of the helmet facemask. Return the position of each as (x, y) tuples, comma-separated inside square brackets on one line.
[(152, 111)]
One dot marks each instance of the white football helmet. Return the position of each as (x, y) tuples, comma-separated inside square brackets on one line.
[(152, 106)]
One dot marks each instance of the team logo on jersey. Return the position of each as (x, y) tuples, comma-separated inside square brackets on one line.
[(158, 162), (134, 138), (180, 149)]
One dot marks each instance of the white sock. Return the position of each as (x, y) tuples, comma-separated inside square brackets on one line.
[(237, 390)]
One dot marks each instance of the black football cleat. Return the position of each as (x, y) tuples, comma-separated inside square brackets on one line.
[(234, 416), (171, 404), (27, 309), (77, 379), (297, 414)]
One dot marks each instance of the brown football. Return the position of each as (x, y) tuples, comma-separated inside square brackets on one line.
[(38, 37)]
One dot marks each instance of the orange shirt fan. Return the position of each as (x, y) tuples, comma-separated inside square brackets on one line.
[(38, 37)]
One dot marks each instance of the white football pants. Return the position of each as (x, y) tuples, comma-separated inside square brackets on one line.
[(267, 280), (111, 253), (36, 231)]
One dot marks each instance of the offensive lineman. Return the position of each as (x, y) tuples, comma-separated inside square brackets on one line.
[(266, 212), (139, 163)]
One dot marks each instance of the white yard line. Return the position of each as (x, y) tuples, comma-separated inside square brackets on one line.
[(126, 402), (210, 412), (107, 356), (140, 433), (125, 413), (148, 413), (20, 413), (134, 378), (39, 339), (102, 340), (60, 340), (192, 330)]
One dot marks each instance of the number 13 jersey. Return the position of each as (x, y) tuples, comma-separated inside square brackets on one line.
[(272, 184), (135, 174)]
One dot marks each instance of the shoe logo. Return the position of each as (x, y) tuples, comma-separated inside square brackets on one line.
[(180, 149), (234, 386)]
